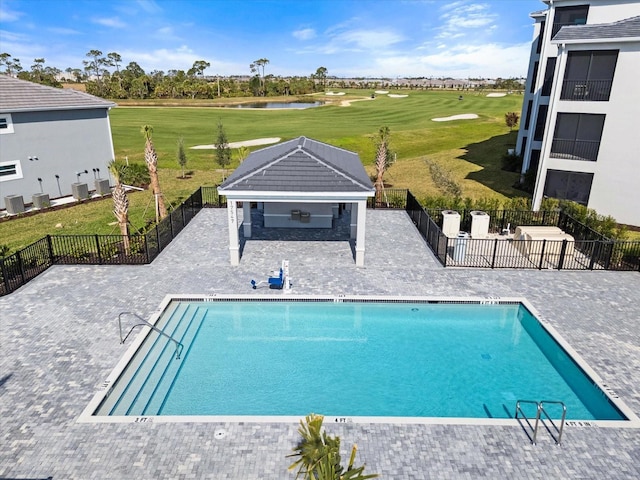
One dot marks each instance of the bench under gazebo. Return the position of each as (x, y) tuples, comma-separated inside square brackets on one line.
[(300, 183)]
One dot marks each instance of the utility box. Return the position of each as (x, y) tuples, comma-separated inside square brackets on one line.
[(80, 191), (450, 223), (102, 186), (40, 200), (479, 224), (460, 246), (14, 204)]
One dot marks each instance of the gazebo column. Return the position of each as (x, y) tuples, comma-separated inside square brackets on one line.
[(234, 242), (360, 231), (353, 208), (246, 218)]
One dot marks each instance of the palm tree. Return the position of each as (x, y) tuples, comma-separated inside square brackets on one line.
[(151, 158), (120, 203), (384, 159), (319, 454)]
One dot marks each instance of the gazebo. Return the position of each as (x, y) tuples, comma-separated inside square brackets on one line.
[(299, 184)]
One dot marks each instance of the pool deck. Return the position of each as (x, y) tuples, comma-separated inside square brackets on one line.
[(59, 342)]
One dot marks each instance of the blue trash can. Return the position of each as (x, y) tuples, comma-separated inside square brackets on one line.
[(460, 246)]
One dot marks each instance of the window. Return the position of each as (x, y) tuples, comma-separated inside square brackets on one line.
[(577, 136), (576, 15), (10, 171), (541, 119), (534, 161), (589, 75), (540, 37), (575, 186), (534, 78), (528, 116), (548, 76), (6, 125)]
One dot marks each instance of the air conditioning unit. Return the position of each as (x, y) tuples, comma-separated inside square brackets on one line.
[(80, 191), (450, 223), (479, 224), (102, 186), (14, 204), (41, 200)]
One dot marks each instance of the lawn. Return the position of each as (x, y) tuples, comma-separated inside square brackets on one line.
[(469, 151)]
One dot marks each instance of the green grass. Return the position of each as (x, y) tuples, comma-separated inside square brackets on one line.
[(469, 150)]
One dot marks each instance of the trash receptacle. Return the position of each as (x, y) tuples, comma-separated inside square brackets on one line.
[(460, 246)]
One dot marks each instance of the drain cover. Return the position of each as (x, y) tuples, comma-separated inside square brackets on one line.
[(220, 433)]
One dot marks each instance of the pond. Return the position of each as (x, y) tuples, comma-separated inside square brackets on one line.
[(278, 105)]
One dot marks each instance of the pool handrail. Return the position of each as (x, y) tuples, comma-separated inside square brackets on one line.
[(539, 411), (179, 345)]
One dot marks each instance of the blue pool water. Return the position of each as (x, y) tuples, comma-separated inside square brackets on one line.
[(352, 359)]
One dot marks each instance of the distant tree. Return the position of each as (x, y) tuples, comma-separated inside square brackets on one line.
[(255, 68), (11, 65), (223, 152), (321, 74), (151, 159), (96, 67), (384, 159), (114, 60), (511, 119), (198, 68), (181, 156)]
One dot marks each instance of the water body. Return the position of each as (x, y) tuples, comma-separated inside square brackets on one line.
[(272, 105)]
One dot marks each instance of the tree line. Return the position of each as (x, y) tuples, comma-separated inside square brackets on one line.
[(106, 76)]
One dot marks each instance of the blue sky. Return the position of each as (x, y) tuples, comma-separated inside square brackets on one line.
[(431, 38)]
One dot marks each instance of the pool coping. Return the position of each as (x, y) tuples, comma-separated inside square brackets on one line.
[(632, 421)]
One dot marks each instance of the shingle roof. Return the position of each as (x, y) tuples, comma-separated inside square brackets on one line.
[(21, 96), (300, 165), (622, 29)]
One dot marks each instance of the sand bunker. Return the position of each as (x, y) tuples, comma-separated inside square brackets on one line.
[(464, 116), (334, 93), (382, 92), (347, 103), (496, 94), (246, 143), (395, 95)]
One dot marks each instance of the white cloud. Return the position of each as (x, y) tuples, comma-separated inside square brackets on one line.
[(8, 15), (304, 34), (460, 17), (488, 60), (63, 31), (149, 6), (112, 22)]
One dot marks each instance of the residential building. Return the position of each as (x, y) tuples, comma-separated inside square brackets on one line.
[(51, 139), (579, 134)]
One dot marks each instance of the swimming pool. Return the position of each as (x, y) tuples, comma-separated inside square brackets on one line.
[(350, 358)]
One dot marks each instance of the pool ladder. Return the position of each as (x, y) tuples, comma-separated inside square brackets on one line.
[(179, 345), (539, 411)]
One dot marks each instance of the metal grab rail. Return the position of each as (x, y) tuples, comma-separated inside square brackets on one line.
[(540, 410), (179, 345), (564, 415)]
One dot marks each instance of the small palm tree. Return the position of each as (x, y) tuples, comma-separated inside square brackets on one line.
[(120, 203), (384, 159), (151, 158), (319, 454)]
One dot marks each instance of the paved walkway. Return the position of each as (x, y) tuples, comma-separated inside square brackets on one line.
[(59, 342)]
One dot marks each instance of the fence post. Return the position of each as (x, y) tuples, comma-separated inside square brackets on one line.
[(50, 248), (5, 277), (607, 264), (495, 250), (563, 251), (544, 244), (146, 248), (171, 225), (98, 249), (21, 266), (595, 248), (504, 216)]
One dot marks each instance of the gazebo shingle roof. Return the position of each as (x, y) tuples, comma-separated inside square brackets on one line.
[(21, 96), (300, 165)]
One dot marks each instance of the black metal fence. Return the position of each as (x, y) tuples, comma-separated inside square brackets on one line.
[(137, 249), (587, 251)]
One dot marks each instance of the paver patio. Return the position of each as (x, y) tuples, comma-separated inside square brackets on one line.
[(59, 342)]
